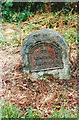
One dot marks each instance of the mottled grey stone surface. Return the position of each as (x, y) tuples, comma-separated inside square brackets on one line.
[(46, 35)]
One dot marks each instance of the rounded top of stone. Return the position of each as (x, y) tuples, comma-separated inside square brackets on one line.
[(42, 31), (41, 36), (46, 35)]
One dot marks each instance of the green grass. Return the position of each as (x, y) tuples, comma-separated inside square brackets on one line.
[(2, 41), (10, 111), (70, 35), (64, 113)]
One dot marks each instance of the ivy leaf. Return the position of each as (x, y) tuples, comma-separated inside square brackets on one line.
[(66, 3), (28, 13)]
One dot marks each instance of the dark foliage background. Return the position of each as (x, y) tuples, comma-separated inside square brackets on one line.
[(15, 11)]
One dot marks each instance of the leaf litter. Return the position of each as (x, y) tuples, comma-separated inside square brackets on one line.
[(43, 94)]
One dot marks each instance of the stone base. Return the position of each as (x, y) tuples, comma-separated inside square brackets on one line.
[(61, 74)]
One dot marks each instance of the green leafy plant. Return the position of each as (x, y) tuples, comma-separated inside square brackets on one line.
[(18, 11), (22, 10), (6, 12)]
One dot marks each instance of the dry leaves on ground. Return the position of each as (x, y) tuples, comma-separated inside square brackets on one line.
[(23, 92)]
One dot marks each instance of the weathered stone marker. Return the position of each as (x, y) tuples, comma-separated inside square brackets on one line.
[(45, 51)]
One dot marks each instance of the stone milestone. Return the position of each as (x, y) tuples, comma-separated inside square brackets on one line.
[(45, 51)]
